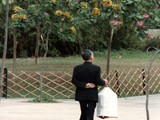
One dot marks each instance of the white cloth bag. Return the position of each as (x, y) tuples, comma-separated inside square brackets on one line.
[(107, 104)]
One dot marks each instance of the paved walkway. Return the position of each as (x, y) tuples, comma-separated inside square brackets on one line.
[(132, 108)]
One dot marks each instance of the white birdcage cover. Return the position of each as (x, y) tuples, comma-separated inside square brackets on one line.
[(107, 103)]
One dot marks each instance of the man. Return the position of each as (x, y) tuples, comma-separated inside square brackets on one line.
[(86, 77)]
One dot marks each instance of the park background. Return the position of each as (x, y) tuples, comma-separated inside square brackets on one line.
[(45, 39)]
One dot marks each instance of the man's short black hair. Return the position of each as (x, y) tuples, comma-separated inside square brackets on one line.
[(86, 54)]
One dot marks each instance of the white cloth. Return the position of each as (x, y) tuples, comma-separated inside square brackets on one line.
[(107, 103)]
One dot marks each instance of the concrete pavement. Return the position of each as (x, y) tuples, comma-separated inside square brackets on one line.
[(131, 108)]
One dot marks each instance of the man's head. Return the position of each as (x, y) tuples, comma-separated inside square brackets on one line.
[(87, 55)]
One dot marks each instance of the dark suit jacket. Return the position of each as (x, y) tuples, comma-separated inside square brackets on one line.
[(83, 74)]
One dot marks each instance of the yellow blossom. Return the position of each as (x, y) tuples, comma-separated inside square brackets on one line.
[(116, 7), (67, 14), (58, 12), (14, 16), (96, 11), (17, 8), (84, 5), (107, 3), (53, 1), (73, 29), (23, 16)]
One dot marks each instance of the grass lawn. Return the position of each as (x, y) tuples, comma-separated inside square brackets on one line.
[(119, 60)]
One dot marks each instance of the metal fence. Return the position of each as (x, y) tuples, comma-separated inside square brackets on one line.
[(125, 82)]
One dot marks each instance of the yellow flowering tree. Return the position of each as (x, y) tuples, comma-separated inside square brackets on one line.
[(114, 17), (18, 14), (39, 22), (18, 17), (65, 14), (89, 13), (82, 23)]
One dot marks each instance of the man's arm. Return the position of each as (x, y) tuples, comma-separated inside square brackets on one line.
[(100, 81), (80, 84)]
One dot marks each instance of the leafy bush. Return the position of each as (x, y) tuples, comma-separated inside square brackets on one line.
[(54, 53)]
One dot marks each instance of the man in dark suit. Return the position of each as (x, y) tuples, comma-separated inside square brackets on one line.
[(86, 77)]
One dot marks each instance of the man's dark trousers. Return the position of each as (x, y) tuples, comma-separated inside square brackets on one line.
[(87, 110)]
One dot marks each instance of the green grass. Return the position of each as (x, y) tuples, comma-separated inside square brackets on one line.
[(119, 59), (44, 99)]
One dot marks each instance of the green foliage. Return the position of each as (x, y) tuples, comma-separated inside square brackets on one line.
[(74, 25), (23, 54), (43, 99), (54, 53)]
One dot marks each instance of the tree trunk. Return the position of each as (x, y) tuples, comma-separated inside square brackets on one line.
[(109, 51), (38, 36), (5, 44), (14, 49), (46, 45)]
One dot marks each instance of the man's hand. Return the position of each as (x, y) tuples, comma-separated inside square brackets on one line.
[(90, 85), (106, 81)]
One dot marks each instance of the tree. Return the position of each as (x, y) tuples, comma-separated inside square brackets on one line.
[(5, 43), (33, 16), (86, 24), (131, 13), (19, 15)]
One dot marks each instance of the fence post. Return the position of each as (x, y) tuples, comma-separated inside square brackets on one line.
[(144, 82), (117, 83), (5, 83)]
